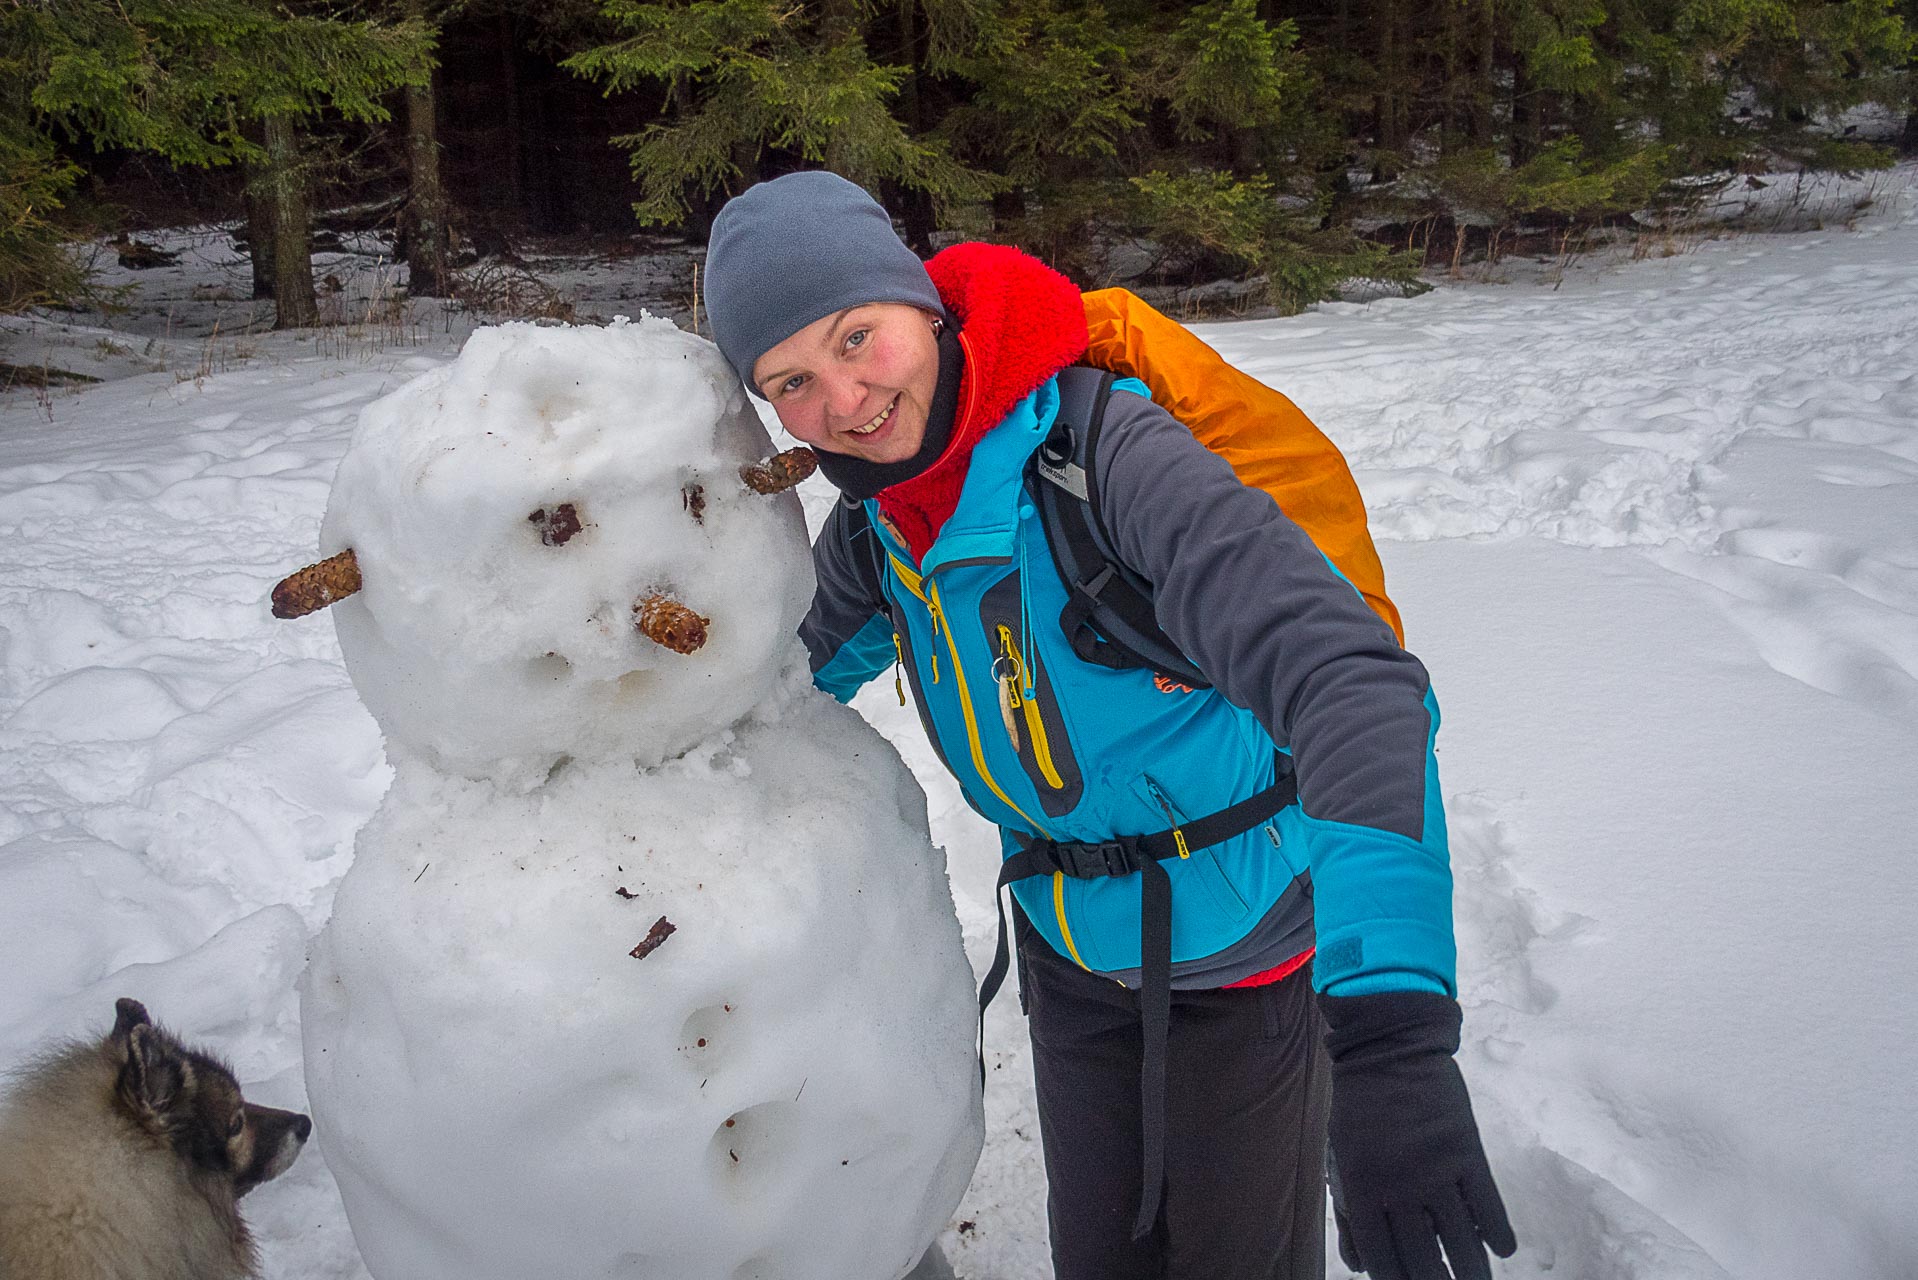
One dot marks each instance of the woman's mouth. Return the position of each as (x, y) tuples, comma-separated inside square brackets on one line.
[(884, 417)]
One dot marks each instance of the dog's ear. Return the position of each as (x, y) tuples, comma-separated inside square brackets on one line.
[(153, 1074), (128, 1014)]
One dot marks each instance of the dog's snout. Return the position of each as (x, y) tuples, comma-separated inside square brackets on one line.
[(302, 1127)]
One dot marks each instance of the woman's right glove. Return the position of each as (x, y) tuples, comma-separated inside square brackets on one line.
[(1412, 1173)]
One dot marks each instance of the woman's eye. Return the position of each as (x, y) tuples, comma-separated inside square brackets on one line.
[(792, 384), (857, 338)]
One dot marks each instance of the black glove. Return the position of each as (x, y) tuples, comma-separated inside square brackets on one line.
[(1411, 1170)]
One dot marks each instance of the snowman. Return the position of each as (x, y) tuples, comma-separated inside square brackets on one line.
[(646, 966)]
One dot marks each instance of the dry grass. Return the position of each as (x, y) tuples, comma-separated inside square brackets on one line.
[(505, 291)]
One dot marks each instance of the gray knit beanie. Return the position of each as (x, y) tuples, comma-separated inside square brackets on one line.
[(787, 252)]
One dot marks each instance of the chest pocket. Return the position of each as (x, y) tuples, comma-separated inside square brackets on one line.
[(1029, 713)]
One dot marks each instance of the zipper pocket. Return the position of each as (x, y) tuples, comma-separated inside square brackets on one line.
[(1204, 862), (1028, 700), (964, 696), (1011, 689)]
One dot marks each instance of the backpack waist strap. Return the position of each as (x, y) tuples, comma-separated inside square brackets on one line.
[(1122, 856)]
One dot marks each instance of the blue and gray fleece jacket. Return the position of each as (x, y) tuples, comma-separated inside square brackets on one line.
[(1043, 742)]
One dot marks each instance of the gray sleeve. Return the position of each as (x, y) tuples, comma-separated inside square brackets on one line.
[(1245, 593), (847, 637)]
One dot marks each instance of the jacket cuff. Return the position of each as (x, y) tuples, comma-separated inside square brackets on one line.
[(1383, 912), (858, 660)]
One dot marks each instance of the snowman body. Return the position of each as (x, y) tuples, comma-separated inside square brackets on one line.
[(646, 966)]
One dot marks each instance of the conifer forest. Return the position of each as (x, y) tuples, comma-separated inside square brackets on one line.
[(1287, 145)]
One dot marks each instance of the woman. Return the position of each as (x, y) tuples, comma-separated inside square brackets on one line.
[(1184, 1134)]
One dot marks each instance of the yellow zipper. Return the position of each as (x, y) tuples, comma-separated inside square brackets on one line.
[(899, 668), (965, 705), (1041, 748), (915, 584), (929, 592), (1059, 909)]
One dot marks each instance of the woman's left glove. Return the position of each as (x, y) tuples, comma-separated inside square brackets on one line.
[(1411, 1169)]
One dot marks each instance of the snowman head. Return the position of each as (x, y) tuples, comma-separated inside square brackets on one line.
[(568, 546)]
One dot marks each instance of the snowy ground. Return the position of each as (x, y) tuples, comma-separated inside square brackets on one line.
[(1653, 526)]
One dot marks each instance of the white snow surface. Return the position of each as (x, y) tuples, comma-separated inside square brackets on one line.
[(1654, 529)]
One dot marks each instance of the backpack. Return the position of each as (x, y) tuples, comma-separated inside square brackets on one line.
[(1109, 618), (1269, 442)]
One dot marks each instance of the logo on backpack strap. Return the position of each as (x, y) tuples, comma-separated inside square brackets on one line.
[(1166, 684), (1071, 476)]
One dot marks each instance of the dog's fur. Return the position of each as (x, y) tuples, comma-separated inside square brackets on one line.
[(125, 1159)]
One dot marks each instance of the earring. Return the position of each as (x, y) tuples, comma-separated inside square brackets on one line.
[(938, 326)]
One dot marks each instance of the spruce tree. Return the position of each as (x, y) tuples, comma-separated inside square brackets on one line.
[(200, 82), (747, 77)]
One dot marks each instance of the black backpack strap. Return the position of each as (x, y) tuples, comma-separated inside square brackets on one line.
[(1108, 618), (1122, 856)]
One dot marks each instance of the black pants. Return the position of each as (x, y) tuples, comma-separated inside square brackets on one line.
[(1248, 1087)]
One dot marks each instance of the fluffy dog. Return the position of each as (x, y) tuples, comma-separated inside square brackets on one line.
[(125, 1159)]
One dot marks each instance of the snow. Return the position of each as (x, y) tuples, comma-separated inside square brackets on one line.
[(495, 645), (787, 1087), (1653, 526)]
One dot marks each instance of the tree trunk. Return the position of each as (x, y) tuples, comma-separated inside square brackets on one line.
[(1008, 208), (915, 206), (921, 220), (513, 171), (1485, 81), (1389, 100), (1453, 36), (426, 237), (284, 190), (1242, 149), (259, 235), (1525, 112)]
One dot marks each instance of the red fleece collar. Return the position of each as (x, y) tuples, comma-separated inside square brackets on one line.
[(1020, 322)]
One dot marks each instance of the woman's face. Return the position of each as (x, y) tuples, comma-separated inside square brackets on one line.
[(859, 381)]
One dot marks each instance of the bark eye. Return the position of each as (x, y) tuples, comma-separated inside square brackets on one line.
[(239, 1123)]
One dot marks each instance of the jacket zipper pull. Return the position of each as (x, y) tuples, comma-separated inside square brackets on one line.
[(1005, 673), (899, 668), (1171, 816), (1009, 670)]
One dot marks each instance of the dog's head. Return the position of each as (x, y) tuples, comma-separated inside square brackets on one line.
[(191, 1101)]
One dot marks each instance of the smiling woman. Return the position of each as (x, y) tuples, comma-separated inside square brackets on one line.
[(1180, 1059), (859, 381)]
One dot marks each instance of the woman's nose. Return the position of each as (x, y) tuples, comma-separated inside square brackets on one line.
[(845, 393)]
